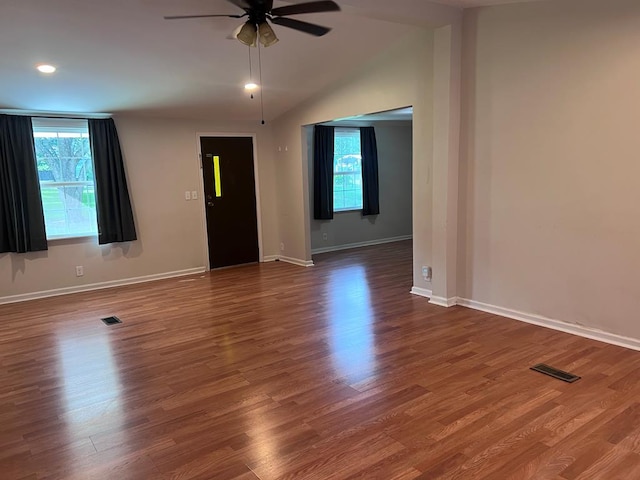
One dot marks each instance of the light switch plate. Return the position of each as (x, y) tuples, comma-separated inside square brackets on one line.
[(187, 195)]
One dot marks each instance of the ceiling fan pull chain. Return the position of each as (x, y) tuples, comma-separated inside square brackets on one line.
[(261, 84), (250, 71)]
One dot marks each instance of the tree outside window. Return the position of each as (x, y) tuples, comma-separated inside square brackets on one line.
[(65, 170)]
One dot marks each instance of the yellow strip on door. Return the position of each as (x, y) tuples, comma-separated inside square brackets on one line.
[(216, 173)]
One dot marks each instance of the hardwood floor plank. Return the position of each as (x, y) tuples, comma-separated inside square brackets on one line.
[(272, 371)]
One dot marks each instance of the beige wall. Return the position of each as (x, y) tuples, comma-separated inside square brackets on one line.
[(401, 76), (550, 197), (161, 162)]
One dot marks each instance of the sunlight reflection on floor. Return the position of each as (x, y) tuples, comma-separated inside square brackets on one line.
[(351, 319), (92, 394)]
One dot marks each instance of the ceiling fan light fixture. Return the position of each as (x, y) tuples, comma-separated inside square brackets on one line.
[(248, 34), (267, 35)]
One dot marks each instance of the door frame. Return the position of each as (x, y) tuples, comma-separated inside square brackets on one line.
[(203, 209)]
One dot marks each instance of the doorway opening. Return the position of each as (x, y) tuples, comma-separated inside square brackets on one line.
[(349, 228)]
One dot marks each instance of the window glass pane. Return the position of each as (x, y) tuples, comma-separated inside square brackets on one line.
[(69, 210), (348, 182), (347, 170), (338, 200), (65, 170)]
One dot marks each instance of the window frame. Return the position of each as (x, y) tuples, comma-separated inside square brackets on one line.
[(354, 174), (62, 125)]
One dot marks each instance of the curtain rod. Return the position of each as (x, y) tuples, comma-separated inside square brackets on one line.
[(40, 114), (65, 117)]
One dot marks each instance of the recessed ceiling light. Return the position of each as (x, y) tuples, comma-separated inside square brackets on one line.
[(46, 68), (250, 86)]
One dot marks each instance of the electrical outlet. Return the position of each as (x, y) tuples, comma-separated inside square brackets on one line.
[(426, 272), (187, 195), (282, 247), (324, 237), (79, 271), (194, 195)]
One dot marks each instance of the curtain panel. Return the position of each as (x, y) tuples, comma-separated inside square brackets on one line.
[(21, 216), (113, 205), (323, 148), (370, 184)]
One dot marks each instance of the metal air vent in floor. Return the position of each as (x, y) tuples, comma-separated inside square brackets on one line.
[(111, 320), (555, 373)]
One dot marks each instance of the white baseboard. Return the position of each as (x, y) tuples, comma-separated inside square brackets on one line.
[(270, 258), (594, 334), (421, 292), (369, 243), (99, 286), (296, 261), (444, 302)]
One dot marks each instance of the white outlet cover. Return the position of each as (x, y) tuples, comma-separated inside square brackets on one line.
[(194, 195), (187, 195)]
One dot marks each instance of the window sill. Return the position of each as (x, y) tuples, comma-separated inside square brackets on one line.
[(348, 210), (63, 239)]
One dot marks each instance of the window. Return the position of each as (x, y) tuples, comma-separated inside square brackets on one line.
[(65, 170), (347, 170)]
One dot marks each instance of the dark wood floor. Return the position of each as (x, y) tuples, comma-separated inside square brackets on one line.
[(276, 371)]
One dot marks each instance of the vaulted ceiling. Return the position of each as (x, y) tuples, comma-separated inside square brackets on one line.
[(122, 56)]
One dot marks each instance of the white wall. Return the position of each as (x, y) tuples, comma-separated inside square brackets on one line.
[(394, 140), (161, 163), (550, 197), (401, 76)]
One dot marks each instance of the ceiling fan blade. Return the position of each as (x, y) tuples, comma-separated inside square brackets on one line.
[(243, 4), (180, 17), (309, 7), (310, 28)]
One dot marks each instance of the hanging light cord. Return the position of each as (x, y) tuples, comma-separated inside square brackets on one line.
[(261, 84), (250, 70)]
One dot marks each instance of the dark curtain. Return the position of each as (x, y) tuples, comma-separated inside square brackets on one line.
[(370, 189), (323, 148), (113, 206), (21, 217)]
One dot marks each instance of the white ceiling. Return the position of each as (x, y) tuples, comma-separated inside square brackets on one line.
[(398, 115), (120, 55)]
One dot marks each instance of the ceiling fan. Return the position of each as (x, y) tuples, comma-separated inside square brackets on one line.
[(261, 12)]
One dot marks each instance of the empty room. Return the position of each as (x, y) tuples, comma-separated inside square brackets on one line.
[(260, 240)]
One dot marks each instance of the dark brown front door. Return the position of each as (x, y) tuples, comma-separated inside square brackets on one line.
[(230, 200)]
